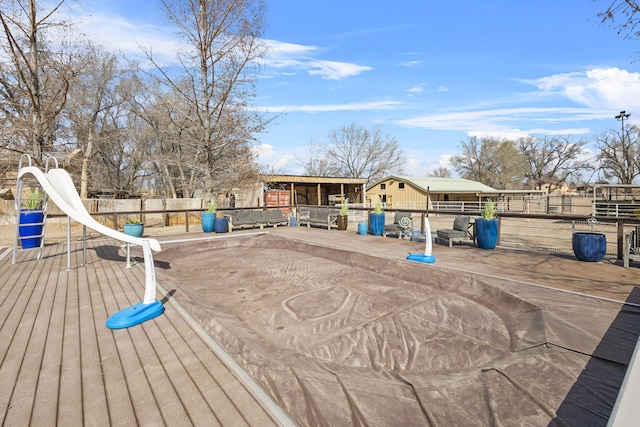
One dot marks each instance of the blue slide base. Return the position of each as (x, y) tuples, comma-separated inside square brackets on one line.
[(421, 258), (134, 315)]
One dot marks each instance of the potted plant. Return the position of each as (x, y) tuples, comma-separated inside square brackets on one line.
[(486, 227), (589, 246), (343, 216), (221, 223), (209, 217), (32, 220), (376, 220), (134, 228)]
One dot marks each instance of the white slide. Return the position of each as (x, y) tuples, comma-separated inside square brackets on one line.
[(60, 188)]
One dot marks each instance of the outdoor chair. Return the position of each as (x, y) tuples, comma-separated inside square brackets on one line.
[(402, 225), (459, 233), (631, 246)]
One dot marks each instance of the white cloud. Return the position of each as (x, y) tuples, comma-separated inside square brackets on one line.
[(356, 106), (299, 57), (501, 123), (416, 89), (598, 88), (333, 70), (267, 155)]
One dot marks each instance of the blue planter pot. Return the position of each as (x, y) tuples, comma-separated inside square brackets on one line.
[(134, 230), (376, 223), (362, 228), (589, 247), (208, 221), (486, 231), (293, 221), (31, 235), (221, 225)]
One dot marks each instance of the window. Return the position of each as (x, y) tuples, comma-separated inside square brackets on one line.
[(383, 186), (401, 186)]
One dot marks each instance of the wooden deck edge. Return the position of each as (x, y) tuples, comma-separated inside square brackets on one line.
[(259, 394)]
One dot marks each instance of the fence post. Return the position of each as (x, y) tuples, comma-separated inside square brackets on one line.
[(620, 230)]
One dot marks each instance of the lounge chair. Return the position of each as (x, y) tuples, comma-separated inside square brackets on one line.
[(402, 225), (459, 233)]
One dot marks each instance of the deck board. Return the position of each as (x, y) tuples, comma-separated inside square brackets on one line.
[(60, 364)]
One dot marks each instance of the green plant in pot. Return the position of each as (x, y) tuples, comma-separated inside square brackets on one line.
[(487, 227), (209, 217), (134, 228), (376, 220), (31, 221), (343, 216)]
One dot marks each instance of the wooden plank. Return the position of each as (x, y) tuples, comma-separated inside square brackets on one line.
[(95, 411), (166, 397), (45, 407), (121, 411), (56, 351), (70, 393), (140, 393), (25, 354)]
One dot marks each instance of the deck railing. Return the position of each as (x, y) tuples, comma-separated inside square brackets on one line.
[(534, 232)]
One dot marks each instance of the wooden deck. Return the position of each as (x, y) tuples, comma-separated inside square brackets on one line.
[(60, 364)]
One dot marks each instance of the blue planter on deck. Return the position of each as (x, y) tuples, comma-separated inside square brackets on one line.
[(221, 225), (486, 232), (208, 221), (589, 247), (31, 235), (376, 223)]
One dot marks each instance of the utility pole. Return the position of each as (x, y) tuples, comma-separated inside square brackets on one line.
[(620, 117)]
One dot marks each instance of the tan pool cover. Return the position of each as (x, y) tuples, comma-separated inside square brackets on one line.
[(340, 338)]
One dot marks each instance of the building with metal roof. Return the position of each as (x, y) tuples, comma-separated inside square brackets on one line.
[(413, 192)]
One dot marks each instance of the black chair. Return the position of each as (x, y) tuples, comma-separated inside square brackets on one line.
[(459, 233), (402, 225)]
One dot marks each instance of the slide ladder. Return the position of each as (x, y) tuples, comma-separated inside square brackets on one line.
[(58, 187), (31, 219)]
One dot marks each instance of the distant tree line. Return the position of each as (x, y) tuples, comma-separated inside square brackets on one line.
[(526, 163), (176, 130)]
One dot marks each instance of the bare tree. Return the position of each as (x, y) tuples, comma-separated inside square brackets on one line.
[(627, 12), (619, 154), (441, 172), (101, 86), (361, 153), (316, 163), (210, 120), (34, 79), (496, 163), (552, 161)]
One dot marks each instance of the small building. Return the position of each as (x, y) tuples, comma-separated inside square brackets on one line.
[(406, 192), (317, 190)]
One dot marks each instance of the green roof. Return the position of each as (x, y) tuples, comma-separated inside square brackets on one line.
[(442, 185)]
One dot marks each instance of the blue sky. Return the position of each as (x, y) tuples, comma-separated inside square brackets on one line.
[(429, 73)]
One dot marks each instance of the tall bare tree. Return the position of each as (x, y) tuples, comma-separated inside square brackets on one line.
[(552, 161), (619, 154), (441, 172), (214, 86), (496, 163), (34, 77), (624, 15), (101, 85), (357, 152), (316, 163)]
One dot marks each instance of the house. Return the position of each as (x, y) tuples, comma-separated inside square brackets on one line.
[(407, 192)]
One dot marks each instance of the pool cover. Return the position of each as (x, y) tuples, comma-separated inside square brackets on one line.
[(341, 338)]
